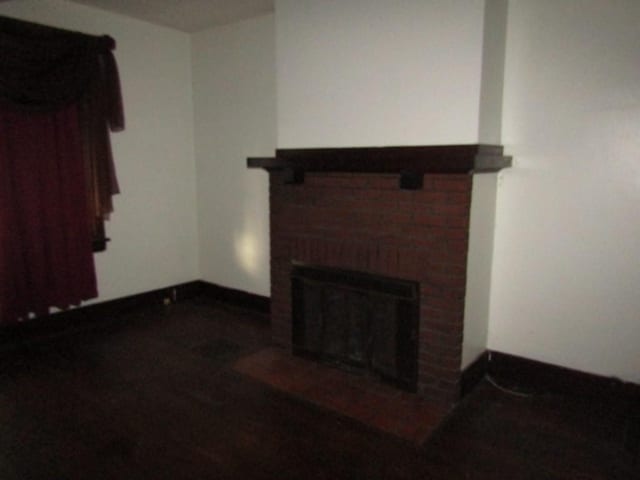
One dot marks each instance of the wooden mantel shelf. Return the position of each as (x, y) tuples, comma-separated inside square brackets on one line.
[(410, 162)]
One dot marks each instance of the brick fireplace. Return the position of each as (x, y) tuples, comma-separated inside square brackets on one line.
[(394, 212)]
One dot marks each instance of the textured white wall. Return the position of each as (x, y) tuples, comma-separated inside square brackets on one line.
[(492, 77), (234, 96), (566, 277), (375, 72), (479, 265), (153, 229)]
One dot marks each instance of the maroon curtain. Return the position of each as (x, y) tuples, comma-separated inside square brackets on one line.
[(45, 240), (59, 98)]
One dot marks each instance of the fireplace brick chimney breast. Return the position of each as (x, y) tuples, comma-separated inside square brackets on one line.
[(362, 221)]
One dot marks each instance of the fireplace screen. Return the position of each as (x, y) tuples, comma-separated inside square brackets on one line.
[(360, 322)]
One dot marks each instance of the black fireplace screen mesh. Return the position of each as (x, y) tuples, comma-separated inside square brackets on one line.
[(360, 322)]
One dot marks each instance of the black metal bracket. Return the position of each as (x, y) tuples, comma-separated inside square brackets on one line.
[(411, 180)]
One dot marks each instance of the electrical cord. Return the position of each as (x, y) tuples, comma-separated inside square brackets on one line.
[(507, 390)]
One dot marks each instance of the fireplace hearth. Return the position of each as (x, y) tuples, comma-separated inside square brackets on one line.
[(346, 218)]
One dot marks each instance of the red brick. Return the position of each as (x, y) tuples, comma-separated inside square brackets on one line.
[(459, 210), (460, 198), (451, 284), (446, 234), (427, 217), (386, 182), (443, 350), (457, 183), (450, 303), (336, 180), (429, 361), (429, 313), (448, 259), (427, 198), (431, 337), (375, 227), (446, 325), (444, 270), (458, 222)]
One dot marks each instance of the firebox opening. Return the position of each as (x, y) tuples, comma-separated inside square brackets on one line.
[(363, 323)]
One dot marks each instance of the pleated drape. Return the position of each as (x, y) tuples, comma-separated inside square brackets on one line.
[(59, 99), (46, 257)]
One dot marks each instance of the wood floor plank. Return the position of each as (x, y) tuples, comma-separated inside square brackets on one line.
[(155, 396)]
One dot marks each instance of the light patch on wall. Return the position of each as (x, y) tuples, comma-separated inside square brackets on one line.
[(247, 251)]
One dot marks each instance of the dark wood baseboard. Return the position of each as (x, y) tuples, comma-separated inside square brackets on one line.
[(106, 313), (532, 376), (473, 374), (238, 298), (518, 372), (90, 316)]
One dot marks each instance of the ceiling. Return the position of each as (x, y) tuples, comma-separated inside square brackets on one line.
[(186, 15)]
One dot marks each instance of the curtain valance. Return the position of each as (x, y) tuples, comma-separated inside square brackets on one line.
[(43, 67)]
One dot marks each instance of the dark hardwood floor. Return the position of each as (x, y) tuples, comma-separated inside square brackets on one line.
[(153, 395)]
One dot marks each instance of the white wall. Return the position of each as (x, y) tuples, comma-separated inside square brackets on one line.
[(566, 279), (234, 96), (492, 77), (375, 72), (153, 229), (479, 265), (483, 198)]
